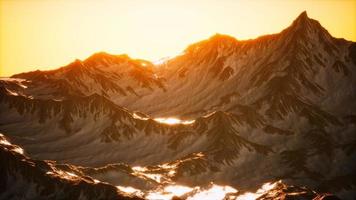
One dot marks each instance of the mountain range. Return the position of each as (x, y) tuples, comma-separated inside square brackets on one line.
[(278, 109)]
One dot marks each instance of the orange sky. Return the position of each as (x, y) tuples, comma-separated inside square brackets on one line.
[(46, 34)]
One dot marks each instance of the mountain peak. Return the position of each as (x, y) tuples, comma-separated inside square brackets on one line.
[(302, 19), (221, 38), (306, 27), (212, 42), (303, 15)]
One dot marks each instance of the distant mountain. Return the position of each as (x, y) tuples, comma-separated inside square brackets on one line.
[(101, 73), (212, 72), (278, 107)]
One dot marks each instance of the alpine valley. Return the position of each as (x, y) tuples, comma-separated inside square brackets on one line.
[(267, 118)]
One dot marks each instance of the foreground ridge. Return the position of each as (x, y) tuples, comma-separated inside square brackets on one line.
[(24, 178), (48, 180)]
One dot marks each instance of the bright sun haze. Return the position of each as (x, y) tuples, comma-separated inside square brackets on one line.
[(47, 34)]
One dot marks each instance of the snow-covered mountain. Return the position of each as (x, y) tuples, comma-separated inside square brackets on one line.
[(290, 71), (278, 107), (219, 73), (26, 178), (84, 126), (101, 73)]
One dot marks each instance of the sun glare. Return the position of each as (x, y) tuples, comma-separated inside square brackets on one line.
[(173, 121), (216, 192), (177, 190), (168, 192)]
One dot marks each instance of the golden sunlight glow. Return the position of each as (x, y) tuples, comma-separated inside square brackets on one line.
[(130, 190), (177, 190), (158, 195), (216, 192), (168, 192), (46, 34), (64, 174), (142, 171), (252, 196), (18, 150), (173, 121), (169, 120), (7, 143), (139, 169), (136, 116), (210, 192)]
